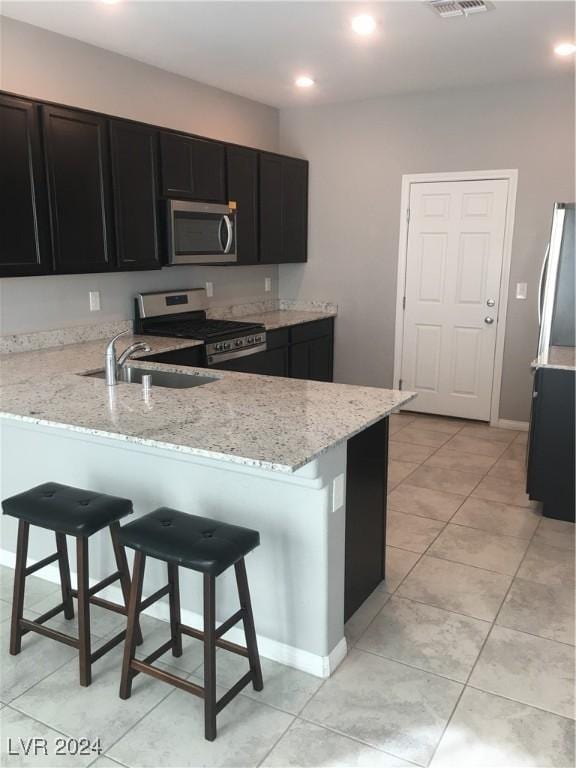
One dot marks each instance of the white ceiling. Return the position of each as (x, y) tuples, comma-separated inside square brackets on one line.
[(255, 49)]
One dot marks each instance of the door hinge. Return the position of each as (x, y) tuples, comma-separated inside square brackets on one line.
[(407, 214), (403, 302), (400, 382)]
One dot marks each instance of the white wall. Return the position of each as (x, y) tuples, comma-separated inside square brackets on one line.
[(44, 65), (358, 153)]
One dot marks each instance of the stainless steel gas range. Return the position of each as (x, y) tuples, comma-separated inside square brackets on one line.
[(182, 314)]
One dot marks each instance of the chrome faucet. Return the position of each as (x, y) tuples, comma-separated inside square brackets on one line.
[(115, 365)]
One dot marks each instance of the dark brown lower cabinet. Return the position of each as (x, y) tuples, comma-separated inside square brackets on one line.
[(551, 454), (312, 350)]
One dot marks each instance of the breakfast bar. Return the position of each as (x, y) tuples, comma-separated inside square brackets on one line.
[(302, 462)]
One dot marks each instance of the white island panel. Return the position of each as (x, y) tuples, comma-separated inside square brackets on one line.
[(296, 576)]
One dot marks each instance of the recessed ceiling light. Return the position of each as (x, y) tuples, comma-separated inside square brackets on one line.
[(363, 24), (304, 81), (565, 49)]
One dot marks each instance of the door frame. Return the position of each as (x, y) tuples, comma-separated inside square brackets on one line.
[(509, 175)]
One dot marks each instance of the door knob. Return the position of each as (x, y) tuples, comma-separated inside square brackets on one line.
[(490, 303), (488, 320)]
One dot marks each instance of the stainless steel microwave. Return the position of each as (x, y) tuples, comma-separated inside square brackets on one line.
[(201, 233)]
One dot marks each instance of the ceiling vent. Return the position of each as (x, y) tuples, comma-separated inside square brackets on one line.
[(448, 9)]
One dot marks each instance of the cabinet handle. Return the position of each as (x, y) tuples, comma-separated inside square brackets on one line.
[(534, 395)]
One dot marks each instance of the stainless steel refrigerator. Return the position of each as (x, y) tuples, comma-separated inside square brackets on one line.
[(556, 299)]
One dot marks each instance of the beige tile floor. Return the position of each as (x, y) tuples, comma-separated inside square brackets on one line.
[(463, 657)]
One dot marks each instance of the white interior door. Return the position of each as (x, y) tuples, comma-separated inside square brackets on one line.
[(453, 265)]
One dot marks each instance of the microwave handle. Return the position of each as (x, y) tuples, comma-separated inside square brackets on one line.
[(230, 233)]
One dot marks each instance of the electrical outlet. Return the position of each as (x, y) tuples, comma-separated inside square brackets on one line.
[(521, 290), (337, 492), (94, 301), (209, 290), (267, 284)]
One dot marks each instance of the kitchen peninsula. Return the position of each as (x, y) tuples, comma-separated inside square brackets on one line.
[(303, 462)]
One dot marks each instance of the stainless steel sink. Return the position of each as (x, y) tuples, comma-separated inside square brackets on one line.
[(131, 374)]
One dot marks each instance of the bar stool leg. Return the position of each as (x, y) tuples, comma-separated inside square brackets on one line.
[(83, 610), (122, 566), (19, 584), (248, 620), (209, 657), (65, 584), (133, 613), (175, 618)]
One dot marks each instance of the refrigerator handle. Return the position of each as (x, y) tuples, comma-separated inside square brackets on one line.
[(541, 283)]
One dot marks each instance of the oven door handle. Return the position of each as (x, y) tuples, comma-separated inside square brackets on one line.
[(225, 356), (230, 233)]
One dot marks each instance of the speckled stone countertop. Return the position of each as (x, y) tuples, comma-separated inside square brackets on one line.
[(283, 318), (272, 423), (563, 358), (85, 357)]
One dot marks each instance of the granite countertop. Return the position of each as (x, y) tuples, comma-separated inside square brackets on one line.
[(563, 358), (261, 421), (76, 358), (283, 318)]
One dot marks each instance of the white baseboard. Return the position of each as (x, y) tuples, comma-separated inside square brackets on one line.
[(521, 426), (305, 661)]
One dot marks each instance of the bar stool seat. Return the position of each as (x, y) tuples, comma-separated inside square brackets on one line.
[(79, 513), (73, 511), (203, 545), (194, 542)]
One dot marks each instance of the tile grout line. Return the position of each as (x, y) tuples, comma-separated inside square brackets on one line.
[(358, 740), (488, 635), (493, 623)]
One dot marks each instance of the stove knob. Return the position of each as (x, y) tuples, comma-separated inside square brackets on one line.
[(257, 339), (218, 347), (226, 346), (250, 339), (238, 342)]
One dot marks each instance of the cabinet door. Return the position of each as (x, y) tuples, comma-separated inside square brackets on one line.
[(208, 164), (134, 183), (192, 168), (270, 209), (320, 359), (242, 167), (24, 233), (300, 360), (294, 210), (77, 157), (551, 451)]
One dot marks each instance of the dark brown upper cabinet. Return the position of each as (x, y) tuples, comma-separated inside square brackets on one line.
[(78, 170), (283, 209), (192, 168), (24, 227), (294, 210), (242, 171), (134, 177)]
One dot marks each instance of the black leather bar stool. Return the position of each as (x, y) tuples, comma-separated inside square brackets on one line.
[(74, 512), (203, 545)]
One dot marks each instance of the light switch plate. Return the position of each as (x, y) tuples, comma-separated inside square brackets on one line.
[(267, 284), (521, 290), (94, 301), (209, 290), (337, 492)]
